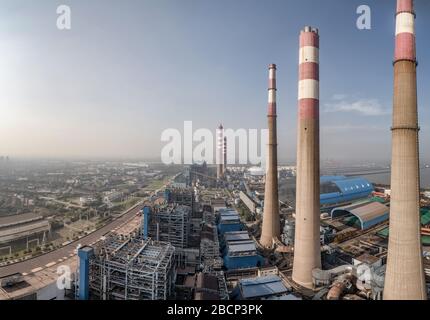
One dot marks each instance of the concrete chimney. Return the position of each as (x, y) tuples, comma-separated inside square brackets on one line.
[(220, 152), (405, 279), (271, 228), (307, 249), (225, 155)]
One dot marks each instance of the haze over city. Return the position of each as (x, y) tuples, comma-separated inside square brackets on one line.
[(128, 70)]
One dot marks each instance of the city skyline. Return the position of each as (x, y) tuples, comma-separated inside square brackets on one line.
[(108, 87)]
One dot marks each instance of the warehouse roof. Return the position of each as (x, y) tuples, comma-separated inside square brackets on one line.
[(237, 247), (342, 189), (236, 236), (262, 287), (368, 213)]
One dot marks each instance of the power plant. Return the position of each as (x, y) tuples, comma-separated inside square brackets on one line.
[(313, 230), (405, 278), (271, 228), (307, 251)]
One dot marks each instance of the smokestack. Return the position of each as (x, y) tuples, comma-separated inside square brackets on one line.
[(271, 228), (405, 278), (307, 248), (220, 152), (225, 155)]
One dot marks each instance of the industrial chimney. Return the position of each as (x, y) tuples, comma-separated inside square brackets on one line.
[(405, 278), (220, 152), (225, 155), (271, 228), (307, 249)]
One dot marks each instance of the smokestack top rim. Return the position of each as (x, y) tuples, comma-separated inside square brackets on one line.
[(272, 66), (310, 29)]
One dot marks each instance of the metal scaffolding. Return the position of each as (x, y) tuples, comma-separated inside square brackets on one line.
[(132, 269), (171, 223)]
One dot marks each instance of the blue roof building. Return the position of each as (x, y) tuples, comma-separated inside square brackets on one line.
[(340, 189)]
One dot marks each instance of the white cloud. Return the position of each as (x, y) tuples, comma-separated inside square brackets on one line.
[(365, 107)]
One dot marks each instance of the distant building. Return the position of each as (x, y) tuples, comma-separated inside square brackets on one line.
[(262, 288), (30, 229)]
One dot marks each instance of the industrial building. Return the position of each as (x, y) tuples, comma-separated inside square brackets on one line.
[(169, 223), (249, 202), (23, 231), (364, 215), (129, 268), (340, 189), (229, 221), (262, 288), (239, 251)]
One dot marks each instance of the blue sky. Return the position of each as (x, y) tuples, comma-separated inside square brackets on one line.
[(130, 69)]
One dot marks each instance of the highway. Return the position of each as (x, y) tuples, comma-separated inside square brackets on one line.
[(42, 260)]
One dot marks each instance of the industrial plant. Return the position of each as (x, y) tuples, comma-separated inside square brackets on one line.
[(229, 232)]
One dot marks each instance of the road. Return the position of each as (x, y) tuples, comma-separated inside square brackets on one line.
[(40, 261)]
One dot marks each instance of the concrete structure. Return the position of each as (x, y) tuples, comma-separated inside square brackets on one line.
[(271, 229), (405, 278), (220, 152), (225, 155), (307, 251)]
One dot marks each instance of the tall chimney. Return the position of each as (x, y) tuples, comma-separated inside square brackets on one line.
[(271, 228), (307, 249), (225, 155), (405, 278), (220, 152)]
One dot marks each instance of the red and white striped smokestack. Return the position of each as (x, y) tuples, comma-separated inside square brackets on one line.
[(271, 228), (225, 155), (220, 152), (307, 249), (405, 279)]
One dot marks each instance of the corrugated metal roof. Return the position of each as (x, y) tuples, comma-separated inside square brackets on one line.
[(354, 185), (236, 236), (241, 246), (365, 212), (262, 287)]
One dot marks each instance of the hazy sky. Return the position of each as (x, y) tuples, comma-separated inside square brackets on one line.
[(130, 69)]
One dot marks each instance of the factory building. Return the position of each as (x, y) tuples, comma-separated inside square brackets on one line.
[(262, 288), (22, 231), (169, 223), (181, 196), (127, 268), (240, 254), (339, 189), (248, 201), (229, 221), (365, 215)]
